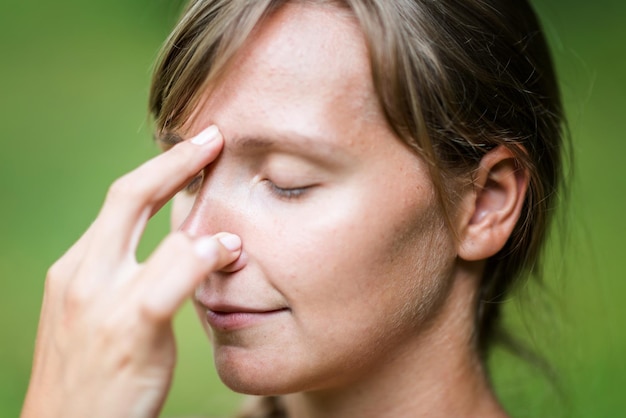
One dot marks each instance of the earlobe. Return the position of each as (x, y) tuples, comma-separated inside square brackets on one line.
[(492, 209)]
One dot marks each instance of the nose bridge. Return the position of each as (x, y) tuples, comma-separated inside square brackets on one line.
[(215, 208)]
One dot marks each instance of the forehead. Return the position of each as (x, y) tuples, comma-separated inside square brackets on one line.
[(312, 43), (306, 66)]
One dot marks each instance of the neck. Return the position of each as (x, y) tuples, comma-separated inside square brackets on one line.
[(438, 374)]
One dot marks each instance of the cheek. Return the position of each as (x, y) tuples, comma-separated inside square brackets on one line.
[(361, 277), (353, 252)]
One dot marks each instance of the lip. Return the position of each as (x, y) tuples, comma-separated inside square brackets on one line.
[(229, 317)]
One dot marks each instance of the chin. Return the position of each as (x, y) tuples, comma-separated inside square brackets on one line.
[(246, 373), (253, 381)]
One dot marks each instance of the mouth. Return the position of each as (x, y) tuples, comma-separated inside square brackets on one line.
[(230, 318)]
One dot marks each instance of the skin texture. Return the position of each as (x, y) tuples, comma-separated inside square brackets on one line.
[(361, 262), (359, 259), (339, 285)]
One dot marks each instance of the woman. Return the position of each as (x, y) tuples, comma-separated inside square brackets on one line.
[(357, 185)]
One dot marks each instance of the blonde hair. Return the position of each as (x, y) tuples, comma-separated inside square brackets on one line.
[(455, 79)]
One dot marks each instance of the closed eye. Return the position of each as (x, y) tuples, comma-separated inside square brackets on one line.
[(288, 193)]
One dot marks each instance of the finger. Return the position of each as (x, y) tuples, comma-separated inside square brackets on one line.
[(177, 267), (135, 197)]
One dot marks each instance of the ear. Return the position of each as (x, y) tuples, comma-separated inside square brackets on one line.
[(490, 211)]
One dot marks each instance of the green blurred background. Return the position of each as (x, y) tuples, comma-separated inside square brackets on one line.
[(74, 78)]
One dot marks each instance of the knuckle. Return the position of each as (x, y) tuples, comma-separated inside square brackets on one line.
[(114, 323), (110, 327), (113, 334), (122, 188), (153, 313), (76, 298), (57, 276)]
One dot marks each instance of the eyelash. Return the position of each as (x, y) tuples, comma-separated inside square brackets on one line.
[(281, 192), (287, 193)]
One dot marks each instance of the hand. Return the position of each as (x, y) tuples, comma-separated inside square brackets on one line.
[(105, 345)]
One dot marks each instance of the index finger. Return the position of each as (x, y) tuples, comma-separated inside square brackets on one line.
[(136, 196)]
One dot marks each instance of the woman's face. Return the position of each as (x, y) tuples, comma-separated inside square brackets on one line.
[(345, 252)]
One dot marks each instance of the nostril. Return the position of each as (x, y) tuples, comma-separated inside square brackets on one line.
[(238, 264)]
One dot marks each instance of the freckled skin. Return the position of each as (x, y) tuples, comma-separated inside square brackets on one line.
[(362, 260)]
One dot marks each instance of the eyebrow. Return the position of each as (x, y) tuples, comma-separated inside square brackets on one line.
[(292, 143)]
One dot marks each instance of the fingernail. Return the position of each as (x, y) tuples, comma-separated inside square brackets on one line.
[(230, 242), (206, 247), (208, 135)]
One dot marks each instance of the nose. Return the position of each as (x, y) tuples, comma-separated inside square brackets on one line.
[(206, 217), (214, 206), (218, 207)]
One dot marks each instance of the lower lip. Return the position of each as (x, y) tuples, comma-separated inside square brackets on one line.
[(228, 321)]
